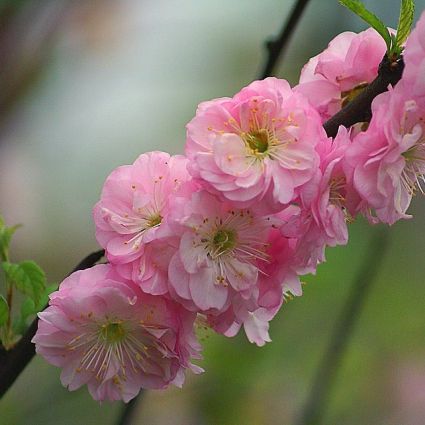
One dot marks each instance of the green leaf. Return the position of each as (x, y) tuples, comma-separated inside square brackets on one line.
[(44, 299), (30, 309), (360, 10), (4, 311), (28, 278), (5, 237), (405, 21)]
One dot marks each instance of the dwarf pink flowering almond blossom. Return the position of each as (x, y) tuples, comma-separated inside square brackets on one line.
[(218, 266), (218, 251), (389, 158), (331, 201), (135, 202), (108, 334), (258, 145), (335, 76)]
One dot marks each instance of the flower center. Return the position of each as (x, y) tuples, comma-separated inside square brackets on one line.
[(113, 332), (336, 186), (258, 140), (154, 220), (337, 196), (223, 241)]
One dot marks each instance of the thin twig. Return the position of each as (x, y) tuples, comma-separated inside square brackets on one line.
[(13, 362), (277, 47), (319, 394)]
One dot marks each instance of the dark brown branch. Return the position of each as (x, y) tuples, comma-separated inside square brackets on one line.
[(14, 361), (358, 110), (312, 413), (277, 47)]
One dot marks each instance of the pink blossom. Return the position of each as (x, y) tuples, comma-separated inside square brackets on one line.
[(135, 203), (233, 265), (414, 59), (335, 76), (389, 158), (218, 253), (331, 198), (258, 145), (107, 334)]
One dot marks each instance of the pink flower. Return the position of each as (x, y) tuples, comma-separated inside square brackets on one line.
[(111, 336), (414, 59), (335, 76), (233, 266), (331, 198), (389, 158), (135, 203), (218, 254), (258, 145)]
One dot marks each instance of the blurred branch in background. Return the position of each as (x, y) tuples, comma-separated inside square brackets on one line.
[(27, 30), (277, 47), (318, 398)]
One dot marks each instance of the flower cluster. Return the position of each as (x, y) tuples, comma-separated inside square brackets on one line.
[(221, 235)]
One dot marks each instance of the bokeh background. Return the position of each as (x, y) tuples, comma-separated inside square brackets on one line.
[(86, 86)]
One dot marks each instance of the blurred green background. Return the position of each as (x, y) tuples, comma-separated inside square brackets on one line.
[(86, 86)]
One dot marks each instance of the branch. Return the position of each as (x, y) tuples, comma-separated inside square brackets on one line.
[(359, 109), (312, 413), (13, 362), (277, 47)]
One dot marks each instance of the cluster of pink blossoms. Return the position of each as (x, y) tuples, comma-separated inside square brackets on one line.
[(221, 235)]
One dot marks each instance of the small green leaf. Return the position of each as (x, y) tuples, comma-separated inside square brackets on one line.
[(4, 311), (30, 309), (27, 310), (5, 237), (405, 21), (6, 234), (28, 278), (360, 10), (44, 299)]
